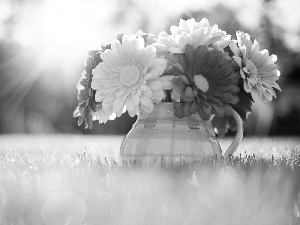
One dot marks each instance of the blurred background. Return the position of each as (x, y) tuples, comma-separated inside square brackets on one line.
[(43, 44)]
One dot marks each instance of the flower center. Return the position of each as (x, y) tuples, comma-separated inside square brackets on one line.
[(201, 83), (129, 76)]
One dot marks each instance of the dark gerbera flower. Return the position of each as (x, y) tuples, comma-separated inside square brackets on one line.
[(208, 84)]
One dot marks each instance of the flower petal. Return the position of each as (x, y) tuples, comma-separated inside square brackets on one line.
[(146, 104), (158, 67), (255, 94)]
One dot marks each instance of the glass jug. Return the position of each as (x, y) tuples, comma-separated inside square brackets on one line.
[(161, 134)]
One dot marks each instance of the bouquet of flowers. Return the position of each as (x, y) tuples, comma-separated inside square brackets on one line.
[(197, 65)]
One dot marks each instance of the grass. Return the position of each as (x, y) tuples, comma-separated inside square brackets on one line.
[(33, 169)]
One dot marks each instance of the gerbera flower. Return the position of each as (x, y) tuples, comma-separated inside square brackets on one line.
[(208, 84), (129, 76), (102, 116), (257, 68), (192, 33)]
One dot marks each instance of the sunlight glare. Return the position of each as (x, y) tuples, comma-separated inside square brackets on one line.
[(63, 29)]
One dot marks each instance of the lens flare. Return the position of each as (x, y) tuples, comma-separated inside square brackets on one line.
[(63, 29)]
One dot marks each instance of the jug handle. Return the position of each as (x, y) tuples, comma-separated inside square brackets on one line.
[(238, 137)]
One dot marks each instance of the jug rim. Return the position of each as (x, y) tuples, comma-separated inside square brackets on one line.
[(167, 110)]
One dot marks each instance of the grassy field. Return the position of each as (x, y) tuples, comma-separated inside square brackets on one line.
[(109, 145), (100, 145), (72, 179)]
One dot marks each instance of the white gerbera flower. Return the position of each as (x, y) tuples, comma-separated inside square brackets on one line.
[(129, 76), (257, 68), (102, 116), (192, 33)]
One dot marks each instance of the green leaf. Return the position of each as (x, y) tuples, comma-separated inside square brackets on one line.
[(243, 107), (86, 122), (80, 102), (82, 110), (76, 112), (80, 120), (90, 123)]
